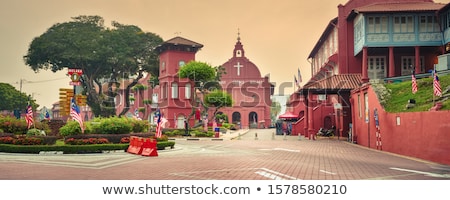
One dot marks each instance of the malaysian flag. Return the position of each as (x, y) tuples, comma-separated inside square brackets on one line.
[(299, 76), (136, 113), (295, 80), (158, 132), (29, 116), (436, 85), (47, 115), (414, 82), (75, 114)]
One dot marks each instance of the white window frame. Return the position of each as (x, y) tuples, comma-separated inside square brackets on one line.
[(408, 61), (174, 90), (373, 69), (187, 91)]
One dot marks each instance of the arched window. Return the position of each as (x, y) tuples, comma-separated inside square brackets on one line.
[(187, 91), (174, 90)]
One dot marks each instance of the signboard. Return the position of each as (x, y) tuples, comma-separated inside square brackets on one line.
[(75, 75)]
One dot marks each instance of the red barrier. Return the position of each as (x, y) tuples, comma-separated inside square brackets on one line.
[(149, 147), (135, 145), (142, 146)]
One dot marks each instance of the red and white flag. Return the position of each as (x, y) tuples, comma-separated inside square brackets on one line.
[(436, 85), (414, 82), (75, 114), (29, 116)]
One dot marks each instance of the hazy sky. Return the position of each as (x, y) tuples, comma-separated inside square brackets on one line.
[(277, 35)]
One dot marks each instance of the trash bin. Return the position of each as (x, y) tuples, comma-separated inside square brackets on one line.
[(217, 131)]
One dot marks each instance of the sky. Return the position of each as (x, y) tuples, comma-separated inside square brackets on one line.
[(277, 36)]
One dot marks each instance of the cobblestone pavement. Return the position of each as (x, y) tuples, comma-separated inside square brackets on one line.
[(244, 155)]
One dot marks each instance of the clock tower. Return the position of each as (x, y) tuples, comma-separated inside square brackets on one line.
[(175, 94)]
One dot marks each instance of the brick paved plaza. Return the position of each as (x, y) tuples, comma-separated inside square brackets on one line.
[(247, 157)]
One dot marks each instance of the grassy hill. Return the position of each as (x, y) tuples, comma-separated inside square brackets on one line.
[(400, 93)]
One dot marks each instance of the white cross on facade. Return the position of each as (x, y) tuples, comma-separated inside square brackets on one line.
[(238, 66)]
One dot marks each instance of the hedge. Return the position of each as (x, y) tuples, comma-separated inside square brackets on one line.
[(73, 149)]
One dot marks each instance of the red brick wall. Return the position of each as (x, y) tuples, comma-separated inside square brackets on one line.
[(423, 135)]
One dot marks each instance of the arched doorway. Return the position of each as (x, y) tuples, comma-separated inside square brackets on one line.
[(236, 119), (253, 120)]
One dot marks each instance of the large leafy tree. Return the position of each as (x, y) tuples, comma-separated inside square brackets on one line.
[(205, 77), (218, 99), (12, 99), (106, 55)]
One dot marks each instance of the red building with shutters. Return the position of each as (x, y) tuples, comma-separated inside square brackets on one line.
[(372, 42), (174, 94)]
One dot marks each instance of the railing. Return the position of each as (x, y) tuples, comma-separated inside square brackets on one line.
[(418, 76)]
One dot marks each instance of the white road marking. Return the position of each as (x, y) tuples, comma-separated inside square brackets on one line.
[(275, 174), (327, 172), (421, 172), (269, 175)]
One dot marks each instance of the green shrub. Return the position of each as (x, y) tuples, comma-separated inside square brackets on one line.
[(19, 126), (35, 132), (202, 133), (71, 128), (72, 141), (115, 125), (163, 138), (139, 126)]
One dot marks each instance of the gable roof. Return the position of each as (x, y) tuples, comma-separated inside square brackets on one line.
[(183, 41), (335, 82)]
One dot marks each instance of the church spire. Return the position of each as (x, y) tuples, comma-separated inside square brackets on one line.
[(238, 48), (239, 36)]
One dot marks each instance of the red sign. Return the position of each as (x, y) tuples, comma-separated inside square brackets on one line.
[(75, 75)]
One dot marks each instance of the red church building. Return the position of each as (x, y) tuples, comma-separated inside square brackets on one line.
[(249, 90)]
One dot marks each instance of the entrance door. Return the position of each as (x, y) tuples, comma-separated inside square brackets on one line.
[(408, 65), (180, 122), (253, 120), (376, 67)]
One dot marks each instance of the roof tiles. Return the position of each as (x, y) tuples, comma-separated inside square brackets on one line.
[(336, 82)]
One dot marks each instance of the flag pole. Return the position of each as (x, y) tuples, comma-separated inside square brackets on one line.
[(434, 76)]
